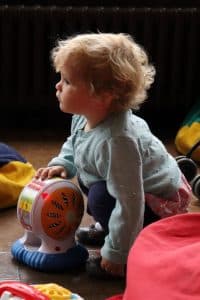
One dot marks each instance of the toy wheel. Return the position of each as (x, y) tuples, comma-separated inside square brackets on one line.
[(187, 166), (196, 186)]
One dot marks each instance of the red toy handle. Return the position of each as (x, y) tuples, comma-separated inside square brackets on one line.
[(22, 290)]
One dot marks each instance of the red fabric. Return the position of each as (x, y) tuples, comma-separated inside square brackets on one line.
[(164, 262), (117, 297)]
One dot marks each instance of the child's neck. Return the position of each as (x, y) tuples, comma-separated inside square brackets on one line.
[(93, 121), (100, 112)]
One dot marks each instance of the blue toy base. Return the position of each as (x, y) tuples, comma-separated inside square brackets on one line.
[(71, 259)]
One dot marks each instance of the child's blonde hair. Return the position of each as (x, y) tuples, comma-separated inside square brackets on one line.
[(108, 62)]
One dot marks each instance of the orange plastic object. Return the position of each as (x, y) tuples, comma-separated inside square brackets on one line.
[(62, 212)]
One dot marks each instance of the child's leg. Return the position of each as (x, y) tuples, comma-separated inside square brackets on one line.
[(149, 216), (99, 199), (100, 203)]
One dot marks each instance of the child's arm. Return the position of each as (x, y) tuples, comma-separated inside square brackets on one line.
[(65, 158), (60, 166), (125, 184)]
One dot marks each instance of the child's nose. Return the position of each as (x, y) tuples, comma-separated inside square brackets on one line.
[(58, 85)]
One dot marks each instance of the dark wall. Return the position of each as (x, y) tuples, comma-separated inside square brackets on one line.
[(107, 3), (170, 35)]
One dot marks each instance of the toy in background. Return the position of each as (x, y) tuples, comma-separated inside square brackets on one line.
[(189, 133), (50, 212), (15, 290), (190, 169), (15, 173)]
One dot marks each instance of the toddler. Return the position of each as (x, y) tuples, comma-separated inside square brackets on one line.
[(126, 172)]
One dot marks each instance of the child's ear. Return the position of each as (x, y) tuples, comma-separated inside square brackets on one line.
[(106, 98)]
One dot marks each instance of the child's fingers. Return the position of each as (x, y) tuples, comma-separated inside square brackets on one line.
[(45, 173), (64, 174), (38, 173), (49, 172), (57, 171)]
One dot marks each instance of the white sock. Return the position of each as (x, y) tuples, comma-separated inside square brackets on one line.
[(98, 226)]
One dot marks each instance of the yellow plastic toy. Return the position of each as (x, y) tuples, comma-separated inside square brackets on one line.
[(57, 292), (15, 290)]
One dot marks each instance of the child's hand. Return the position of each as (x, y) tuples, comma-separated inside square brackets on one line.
[(49, 172), (113, 268)]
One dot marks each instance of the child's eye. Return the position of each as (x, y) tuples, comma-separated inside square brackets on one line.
[(66, 81)]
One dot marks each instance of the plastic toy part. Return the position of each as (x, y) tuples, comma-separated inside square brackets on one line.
[(22, 290), (190, 169), (47, 262), (56, 292), (15, 290), (50, 212)]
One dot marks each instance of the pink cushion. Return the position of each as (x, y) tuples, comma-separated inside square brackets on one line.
[(164, 262), (116, 297)]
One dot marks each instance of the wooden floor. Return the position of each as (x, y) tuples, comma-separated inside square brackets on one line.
[(38, 147)]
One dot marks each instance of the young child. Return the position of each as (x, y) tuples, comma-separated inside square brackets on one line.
[(125, 171)]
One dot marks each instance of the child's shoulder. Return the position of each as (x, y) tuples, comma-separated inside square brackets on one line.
[(129, 123), (138, 121)]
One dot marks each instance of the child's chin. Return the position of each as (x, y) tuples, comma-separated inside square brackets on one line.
[(61, 107), (65, 110)]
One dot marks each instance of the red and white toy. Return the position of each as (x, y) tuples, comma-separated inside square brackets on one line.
[(50, 212)]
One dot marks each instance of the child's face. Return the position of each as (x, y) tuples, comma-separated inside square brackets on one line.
[(73, 93)]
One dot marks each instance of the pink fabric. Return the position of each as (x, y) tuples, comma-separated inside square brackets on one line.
[(164, 262), (177, 204), (117, 297)]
